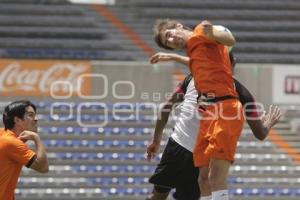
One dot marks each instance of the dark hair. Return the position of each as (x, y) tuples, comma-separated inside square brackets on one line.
[(161, 25), (15, 109)]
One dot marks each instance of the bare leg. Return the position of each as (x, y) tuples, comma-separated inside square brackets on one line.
[(217, 177), (203, 182), (218, 172)]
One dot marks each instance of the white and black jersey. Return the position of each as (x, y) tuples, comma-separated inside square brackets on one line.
[(186, 115)]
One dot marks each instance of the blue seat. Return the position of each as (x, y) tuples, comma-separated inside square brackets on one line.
[(100, 181), (115, 131), (96, 131), (255, 191), (270, 192), (62, 106), (147, 168), (287, 192), (114, 191), (129, 191), (297, 192), (114, 156), (237, 192), (145, 191), (93, 106), (60, 117)]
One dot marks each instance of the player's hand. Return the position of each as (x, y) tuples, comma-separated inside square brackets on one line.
[(207, 29), (152, 150), (160, 56), (272, 117), (28, 135)]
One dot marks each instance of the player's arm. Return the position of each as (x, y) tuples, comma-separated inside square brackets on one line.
[(161, 122), (161, 56), (219, 34), (40, 162), (260, 127)]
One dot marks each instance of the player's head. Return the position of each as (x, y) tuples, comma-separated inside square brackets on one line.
[(170, 34), (20, 115)]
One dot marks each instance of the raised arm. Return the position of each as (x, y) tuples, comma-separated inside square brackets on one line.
[(218, 33), (260, 126), (40, 164), (161, 56)]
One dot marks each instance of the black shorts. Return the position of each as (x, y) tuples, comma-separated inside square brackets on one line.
[(176, 170)]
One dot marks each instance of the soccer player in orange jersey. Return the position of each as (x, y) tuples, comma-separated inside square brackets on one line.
[(222, 119), (20, 122)]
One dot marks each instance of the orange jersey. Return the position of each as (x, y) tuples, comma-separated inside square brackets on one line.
[(210, 65), (14, 153)]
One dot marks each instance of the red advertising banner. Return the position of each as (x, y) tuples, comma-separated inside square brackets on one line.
[(58, 78)]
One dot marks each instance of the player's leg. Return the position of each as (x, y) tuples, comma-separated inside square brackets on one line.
[(167, 173), (218, 172), (225, 132), (187, 186), (204, 184), (200, 159), (188, 190)]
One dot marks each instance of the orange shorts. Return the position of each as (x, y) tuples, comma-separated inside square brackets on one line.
[(220, 128)]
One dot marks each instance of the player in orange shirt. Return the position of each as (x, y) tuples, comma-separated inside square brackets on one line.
[(223, 119), (20, 122)]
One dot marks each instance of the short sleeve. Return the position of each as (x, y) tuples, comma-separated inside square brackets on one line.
[(20, 152)]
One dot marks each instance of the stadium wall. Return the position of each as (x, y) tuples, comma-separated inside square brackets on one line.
[(271, 83), (83, 80)]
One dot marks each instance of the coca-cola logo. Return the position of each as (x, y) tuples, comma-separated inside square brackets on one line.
[(14, 77)]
